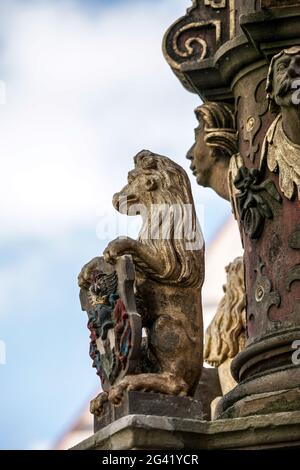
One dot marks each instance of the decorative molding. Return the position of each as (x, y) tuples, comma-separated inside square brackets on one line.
[(294, 239), (232, 30), (292, 276), (200, 16), (278, 3), (253, 122), (194, 5), (189, 44), (215, 4), (263, 293), (255, 200), (282, 156)]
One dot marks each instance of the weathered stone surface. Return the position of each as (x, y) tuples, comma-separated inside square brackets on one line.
[(208, 389), (275, 431), (279, 381), (142, 403), (278, 3), (265, 403)]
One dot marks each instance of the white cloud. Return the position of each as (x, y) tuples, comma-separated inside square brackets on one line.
[(84, 94)]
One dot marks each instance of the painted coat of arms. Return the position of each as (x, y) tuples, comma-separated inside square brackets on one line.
[(114, 324)]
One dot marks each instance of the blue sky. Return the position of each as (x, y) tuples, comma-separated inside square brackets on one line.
[(85, 92)]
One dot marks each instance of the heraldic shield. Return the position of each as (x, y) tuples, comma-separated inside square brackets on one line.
[(114, 324)]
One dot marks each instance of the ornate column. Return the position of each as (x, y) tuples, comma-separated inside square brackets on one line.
[(222, 50)]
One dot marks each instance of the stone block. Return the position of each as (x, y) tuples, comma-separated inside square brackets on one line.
[(141, 403), (140, 432)]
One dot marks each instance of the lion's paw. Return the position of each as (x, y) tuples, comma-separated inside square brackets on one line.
[(96, 405), (116, 393), (117, 248)]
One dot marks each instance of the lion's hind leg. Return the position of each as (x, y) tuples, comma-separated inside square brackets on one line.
[(164, 383)]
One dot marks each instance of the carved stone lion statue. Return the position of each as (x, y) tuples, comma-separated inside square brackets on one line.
[(226, 335), (169, 262)]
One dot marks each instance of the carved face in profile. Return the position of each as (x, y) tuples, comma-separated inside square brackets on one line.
[(215, 143), (202, 158), (284, 77)]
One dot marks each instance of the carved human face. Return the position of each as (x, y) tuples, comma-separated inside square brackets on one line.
[(201, 156), (285, 73)]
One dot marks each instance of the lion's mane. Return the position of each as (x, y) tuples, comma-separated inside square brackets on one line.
[(225, 336), (183, 254)]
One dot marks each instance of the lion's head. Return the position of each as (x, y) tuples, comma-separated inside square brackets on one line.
[(159, 190), (154, 180), (225, 336)]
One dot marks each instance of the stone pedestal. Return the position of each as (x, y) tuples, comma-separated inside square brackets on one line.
[(144, 432), (149, 404)]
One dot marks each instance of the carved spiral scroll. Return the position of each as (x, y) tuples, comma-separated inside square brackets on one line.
[(189, 44), (188, 48)]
